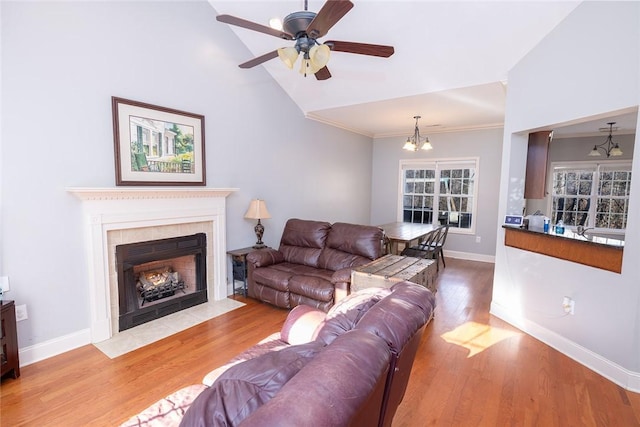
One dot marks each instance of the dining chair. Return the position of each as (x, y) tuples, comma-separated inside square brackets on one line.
[(424, 249), (438, 245), (432, 247)]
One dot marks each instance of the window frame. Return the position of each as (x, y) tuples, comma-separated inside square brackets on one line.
[(438, 165), (596, 166)]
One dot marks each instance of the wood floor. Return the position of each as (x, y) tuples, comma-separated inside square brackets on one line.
[(471, 370)]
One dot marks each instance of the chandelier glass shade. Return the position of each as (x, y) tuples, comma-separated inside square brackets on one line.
[(416, 142), (608, 147)]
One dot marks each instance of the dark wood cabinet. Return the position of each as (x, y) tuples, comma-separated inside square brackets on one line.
[(9, 340), (537, 156)]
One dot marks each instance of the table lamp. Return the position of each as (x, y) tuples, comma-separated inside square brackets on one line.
[(258, 210)]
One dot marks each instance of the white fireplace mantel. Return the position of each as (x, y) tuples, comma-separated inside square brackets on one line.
[(122, 208), (123, 193)]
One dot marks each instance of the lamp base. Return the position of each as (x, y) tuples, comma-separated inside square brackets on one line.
[(259, 229)]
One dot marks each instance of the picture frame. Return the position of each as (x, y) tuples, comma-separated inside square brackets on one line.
[(157, 146)]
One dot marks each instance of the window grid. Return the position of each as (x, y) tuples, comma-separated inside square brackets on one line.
[(595, 197), (454, 195)]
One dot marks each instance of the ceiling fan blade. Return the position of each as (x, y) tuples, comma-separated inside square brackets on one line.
[(361, 48), (332, 11), (239, 22), (259, 60), (323, 74)]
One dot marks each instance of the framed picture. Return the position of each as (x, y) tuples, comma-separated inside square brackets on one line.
[(157, 145)]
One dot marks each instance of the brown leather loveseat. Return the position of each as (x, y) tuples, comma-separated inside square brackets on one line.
[(313, 263)]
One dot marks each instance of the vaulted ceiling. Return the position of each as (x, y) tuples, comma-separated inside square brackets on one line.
[(450, 63)]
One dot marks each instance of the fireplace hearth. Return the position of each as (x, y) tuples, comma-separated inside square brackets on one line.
[(160, 277)]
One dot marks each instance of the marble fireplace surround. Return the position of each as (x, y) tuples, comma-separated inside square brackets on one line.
[(115, 216)]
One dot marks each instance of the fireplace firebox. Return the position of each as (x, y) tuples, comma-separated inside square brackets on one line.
[(160, 277)]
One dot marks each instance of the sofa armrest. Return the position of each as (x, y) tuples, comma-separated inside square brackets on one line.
[(341, 280), (342, 276), (265, 257)]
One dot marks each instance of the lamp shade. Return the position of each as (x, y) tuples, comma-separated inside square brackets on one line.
[(319, 56), (257, 210), (288, 55)]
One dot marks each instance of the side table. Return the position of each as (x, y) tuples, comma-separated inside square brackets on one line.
[(239, 268), (9, 341)]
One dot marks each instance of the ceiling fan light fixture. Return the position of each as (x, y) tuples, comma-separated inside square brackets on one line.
[(288, 55), (307, 67), (319, 55)]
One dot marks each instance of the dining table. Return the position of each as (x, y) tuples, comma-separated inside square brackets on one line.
[(405, 234)]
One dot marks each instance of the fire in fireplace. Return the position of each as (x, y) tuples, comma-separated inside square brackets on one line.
[(160, 277)]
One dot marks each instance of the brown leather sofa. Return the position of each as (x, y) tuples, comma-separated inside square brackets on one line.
[(347, 367), (313, 263)]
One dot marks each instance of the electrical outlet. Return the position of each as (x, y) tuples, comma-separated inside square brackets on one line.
[(4, 284), (21, 312), (478, 239), (568, 305)]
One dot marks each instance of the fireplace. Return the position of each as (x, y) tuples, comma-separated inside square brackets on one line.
[(123, 215), (160, 277)]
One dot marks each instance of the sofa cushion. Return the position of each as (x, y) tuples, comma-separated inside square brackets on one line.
[(303, 270), (272, 278), (271, 343), (363, 240), (346, 314), (334, 260), (342, 386), (312, 287), (302, 241), (396, 319), (243, 388)]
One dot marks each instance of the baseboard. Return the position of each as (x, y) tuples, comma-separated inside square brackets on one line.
[(623, 377), (36, 353), (469, 256)]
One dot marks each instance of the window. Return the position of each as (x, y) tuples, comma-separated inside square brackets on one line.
[(439, 192), (591, 194)]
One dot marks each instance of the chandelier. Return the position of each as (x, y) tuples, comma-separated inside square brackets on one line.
[(608, 147), (417, 142)]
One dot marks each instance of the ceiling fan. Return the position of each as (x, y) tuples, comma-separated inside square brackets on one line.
[(306, 27)]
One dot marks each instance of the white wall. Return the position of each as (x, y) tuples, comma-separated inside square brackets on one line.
[(484, 144), (62, 62), (588, 66)]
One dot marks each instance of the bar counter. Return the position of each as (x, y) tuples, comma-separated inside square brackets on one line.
[(594, 251)]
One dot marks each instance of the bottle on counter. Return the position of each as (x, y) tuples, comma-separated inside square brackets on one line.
[(560, 227), (546, 225)]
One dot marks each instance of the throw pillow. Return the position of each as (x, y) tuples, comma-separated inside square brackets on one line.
[(301, 324), (346, 314)]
